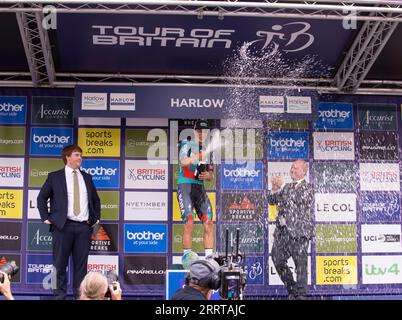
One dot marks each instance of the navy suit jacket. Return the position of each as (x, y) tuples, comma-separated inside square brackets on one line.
[(55, 189)]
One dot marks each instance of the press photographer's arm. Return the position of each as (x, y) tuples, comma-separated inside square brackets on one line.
[(5, 287)]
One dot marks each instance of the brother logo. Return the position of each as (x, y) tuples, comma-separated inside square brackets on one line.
[(9, 107), (145, 235), (100, 171), (287, 143), (51, 138), (241, 172), (333, 113)]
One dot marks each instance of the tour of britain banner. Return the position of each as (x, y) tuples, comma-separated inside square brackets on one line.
[(351, 144)]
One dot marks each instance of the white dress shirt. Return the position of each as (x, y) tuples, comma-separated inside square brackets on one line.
[(84, 212)]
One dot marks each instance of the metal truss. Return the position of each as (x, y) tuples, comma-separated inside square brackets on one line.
[(37, 47), (326, 9), (366, 48)]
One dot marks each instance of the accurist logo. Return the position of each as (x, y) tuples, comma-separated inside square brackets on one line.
[(145, 238)]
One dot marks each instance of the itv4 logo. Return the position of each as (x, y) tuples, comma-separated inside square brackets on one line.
[(373, 270)]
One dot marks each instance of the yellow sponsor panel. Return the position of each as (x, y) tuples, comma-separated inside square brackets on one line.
[(176, 209), (10, 204), (99, 142), (272, 212), (336, 270)]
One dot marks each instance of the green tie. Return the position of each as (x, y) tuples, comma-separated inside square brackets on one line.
[(76, 200)]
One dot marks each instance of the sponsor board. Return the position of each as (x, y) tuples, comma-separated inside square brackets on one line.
[(382, 269), (208, 184), (50, 141), (288, 145), (198, 240), (10, 236), (144, 270), (176, 209), (251, 237), (146, 143), (52, 110), (298, 104), (149, 238), (334, 145), (380, 206), (255, 270), (95, 121), (12, 141), (378, 146), (336, 238), (241, 206), (336, 270), (39, 168), (381, 238), (241, 123), (282, 169), (241, 144), (99, 142), (271, 230), (105, 173), (377, 116), (335, 207), (379, 177), (247, 176), (122, 101), (147, 122), (143, 174), (32, 207), (38, 237), (13, 110), (39, 268), (145, 206), (332, 177), (280, 125), (6, 257), (93, 101), (103, 263), (272, 104), (336, 116), (273, 276), (11, 204), (109, 205), (107, 238), (12, 172)]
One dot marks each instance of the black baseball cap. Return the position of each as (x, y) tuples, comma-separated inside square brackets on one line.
[(201, 124)]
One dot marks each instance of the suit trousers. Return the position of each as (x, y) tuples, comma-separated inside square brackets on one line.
[(74, 239), (284, 247)]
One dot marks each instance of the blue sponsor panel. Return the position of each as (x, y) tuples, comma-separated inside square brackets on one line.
[(105, 173), (145, 238), (334, 116), (13, 110), (288, 145), (380, 207), (39, 267), (50, 141), (247, 176), (255, 270)]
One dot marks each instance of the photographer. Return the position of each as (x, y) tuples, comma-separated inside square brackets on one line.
[(95, 286), (203, 277), (192, 172), (5, 287)]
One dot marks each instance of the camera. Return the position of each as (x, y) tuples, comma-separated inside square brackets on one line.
[(111, 277), (10, 268)]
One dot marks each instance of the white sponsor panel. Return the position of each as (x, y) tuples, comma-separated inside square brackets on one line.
[(381, 238), (11, 172), (275, 280), (335, 207), (32, 207), (122, 101), (298, 104), (281, 169), (381, 269), (334, 145), (143, 174), (93, 101), (241, 123), (146, 122), (272, 104), (271, 229), (145, 206), (93, 121), (379, 177), (103, 263)]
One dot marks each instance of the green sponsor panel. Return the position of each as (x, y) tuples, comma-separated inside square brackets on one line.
[(39, 168), (288, 124), (109, 205), (241, 144), (336, 238), (12, 140), (209, 185), (146, 143), (198, 240)]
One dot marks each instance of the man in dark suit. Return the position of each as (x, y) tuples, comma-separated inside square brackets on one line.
[(74, 211), (294, 227)]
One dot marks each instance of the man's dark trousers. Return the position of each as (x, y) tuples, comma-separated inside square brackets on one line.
[(73, 239), (283, 248)]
